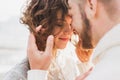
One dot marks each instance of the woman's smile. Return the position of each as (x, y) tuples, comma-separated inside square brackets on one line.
[(64, 39)]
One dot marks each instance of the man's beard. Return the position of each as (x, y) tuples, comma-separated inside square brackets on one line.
[(85, 34)]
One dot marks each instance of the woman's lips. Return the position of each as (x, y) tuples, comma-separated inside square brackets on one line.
[(64, 39)]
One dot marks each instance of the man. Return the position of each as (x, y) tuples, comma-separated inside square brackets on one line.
[(103, 23), (100, 19), (100, 29)]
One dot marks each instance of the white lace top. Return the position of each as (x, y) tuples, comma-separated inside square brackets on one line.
[(65, 66)]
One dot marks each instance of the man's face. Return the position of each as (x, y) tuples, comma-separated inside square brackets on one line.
[(81, 24), (76, 15), (102, 12)]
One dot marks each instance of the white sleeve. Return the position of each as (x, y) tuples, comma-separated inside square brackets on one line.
[(109, 66), (36, 75)]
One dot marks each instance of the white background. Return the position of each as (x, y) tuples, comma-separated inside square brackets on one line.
[(13, 35)]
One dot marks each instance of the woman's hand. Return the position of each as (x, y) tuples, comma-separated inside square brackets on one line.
[(83, 76), (39, 59)]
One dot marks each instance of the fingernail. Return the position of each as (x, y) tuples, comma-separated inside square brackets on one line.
[(51, 37), (38, 28), (91, 68)]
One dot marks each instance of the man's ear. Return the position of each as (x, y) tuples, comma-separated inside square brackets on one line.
[(91, 8)]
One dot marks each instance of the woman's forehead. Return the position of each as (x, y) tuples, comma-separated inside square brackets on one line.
[(60, 16)]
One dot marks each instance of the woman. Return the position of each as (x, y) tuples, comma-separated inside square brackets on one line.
[(54, 18)]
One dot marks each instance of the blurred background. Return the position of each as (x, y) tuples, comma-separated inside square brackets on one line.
[(13, 35)]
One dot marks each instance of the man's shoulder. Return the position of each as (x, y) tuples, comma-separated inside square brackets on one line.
[(112, 53), (19, 72), (110, 39)]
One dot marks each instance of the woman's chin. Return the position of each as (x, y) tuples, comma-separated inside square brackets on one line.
[(61, 47)]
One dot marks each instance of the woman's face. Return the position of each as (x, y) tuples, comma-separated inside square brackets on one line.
[(63, 31)]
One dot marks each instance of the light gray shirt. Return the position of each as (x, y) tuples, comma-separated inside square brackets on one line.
[(107, 57), (19, 72)]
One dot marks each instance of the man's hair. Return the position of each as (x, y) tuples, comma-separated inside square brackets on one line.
[(43, 12), (109, 5)]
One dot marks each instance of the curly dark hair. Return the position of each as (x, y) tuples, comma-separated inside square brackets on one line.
[(43, 12)]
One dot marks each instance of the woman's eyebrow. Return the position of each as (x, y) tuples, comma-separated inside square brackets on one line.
[(61, 20)]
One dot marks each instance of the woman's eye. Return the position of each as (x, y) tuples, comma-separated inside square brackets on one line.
[(60, 25)]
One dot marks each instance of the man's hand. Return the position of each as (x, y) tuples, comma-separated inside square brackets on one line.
[(82, 77), (39, 59)]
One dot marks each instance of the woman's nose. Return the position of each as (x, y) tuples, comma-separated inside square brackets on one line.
[(68, 29)]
